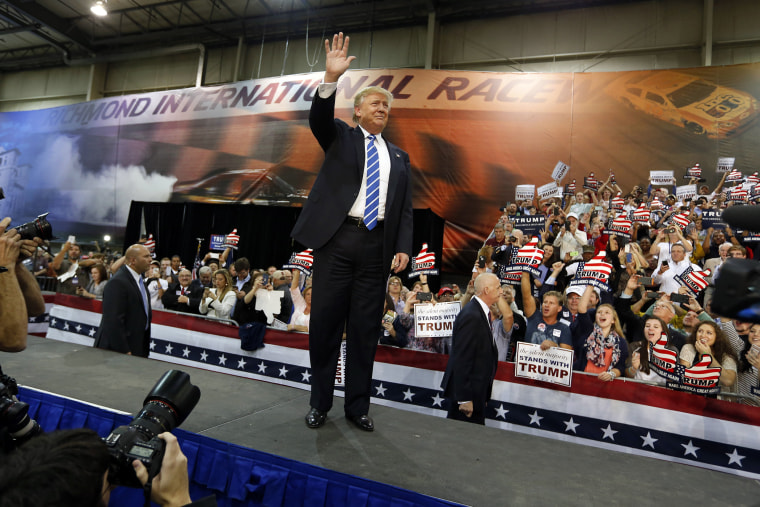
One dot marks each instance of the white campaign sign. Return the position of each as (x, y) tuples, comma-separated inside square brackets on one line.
[(725, 164), (436, 320), (662, 177), (525, 192), (560, 171), (554, 365)]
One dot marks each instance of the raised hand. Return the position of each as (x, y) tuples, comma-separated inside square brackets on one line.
[(337, 60)]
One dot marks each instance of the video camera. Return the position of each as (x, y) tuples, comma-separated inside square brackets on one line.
[(165, 407), (737, 290)]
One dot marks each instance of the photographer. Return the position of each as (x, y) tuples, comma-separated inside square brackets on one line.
[(70, 468), (19, 292)]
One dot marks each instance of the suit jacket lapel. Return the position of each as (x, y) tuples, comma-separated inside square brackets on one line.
[(361, 152)]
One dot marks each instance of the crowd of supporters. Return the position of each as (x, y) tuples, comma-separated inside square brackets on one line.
[(610, 330)]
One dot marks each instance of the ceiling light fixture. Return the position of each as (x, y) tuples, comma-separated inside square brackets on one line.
[(99, 8)]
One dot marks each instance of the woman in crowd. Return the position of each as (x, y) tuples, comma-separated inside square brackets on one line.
[(406, 320), (749, 365), (219, 301), (301, 305), (393, 332), (605, 350), (98, 280), (397, 292), (654, 328), (709, 339)]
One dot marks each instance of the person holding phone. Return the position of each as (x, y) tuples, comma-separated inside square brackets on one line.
[(156, 285), (666, 275), (748, 371), (219, 301), (98, 280)]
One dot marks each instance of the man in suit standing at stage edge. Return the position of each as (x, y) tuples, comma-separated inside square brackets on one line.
[(125, 324), (358, 220), (472, 364)]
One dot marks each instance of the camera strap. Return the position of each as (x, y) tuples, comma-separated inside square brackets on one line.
[(146, 492)]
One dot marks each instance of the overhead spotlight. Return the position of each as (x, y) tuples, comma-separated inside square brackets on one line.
[(99, 8)]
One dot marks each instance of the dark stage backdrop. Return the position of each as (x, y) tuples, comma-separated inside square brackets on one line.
[(264, 230)]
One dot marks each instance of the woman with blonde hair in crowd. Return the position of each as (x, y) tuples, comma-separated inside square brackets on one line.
[(397, 292), (219, 301), (605, 350), (708, 338)]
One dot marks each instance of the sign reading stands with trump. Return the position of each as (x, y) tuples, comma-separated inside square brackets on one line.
[(435, 321), (554, 365)]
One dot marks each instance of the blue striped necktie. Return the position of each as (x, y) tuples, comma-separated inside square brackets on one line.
[(373, 185)]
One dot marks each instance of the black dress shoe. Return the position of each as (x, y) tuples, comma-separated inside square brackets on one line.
[(362, 422), (315, 418)]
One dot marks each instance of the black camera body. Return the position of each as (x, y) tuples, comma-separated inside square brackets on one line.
[(14, 414), (165, 407)]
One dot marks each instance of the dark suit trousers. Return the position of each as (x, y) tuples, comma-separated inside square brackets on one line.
[(347, 293)]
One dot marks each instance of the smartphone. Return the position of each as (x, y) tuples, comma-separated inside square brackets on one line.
[(555, 211), (652, 295), (481, 264), (155, 271), (265, 279), (645, 280), (679, 298), (424, 296), (629, 257), (665, 263), (389, 317), (754, 351)]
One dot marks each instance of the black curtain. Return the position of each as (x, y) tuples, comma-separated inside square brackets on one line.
[(264, 230)]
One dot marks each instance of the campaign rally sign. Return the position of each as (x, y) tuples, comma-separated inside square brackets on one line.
[(435, 321), (698, 379), (526, 259), (548, 190), (617, 203), (595, 272), (590, 182), (694, 280), (693, 172), (620, 226), (554, 365), (560, 171), (231, 240), (680, 219), (725, 164), (530, 225), (641, 215), (686, 192), (713, 218), (525, 192), (217, 242), (748, 236), (662, 178), (662, 359), (570, 188), (423, 263), (734, 176), (302, 261)]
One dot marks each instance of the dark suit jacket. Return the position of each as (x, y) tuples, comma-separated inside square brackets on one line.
[(338, 182), (473, 360), (195, 294), (122, 327)]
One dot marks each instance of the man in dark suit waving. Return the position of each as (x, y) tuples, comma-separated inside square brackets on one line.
[(125, 325), (358, 220), (472, 364)]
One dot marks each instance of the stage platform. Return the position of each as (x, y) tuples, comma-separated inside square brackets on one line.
[(455, 461)]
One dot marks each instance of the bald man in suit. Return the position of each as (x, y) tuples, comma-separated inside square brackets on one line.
[(472, 364), (125, 324), (355, 243)]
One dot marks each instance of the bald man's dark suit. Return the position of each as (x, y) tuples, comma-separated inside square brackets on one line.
[(351, 264), (123, 324), (472, 364)]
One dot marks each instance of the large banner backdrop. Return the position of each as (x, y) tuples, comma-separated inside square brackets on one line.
[(472, 136)]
